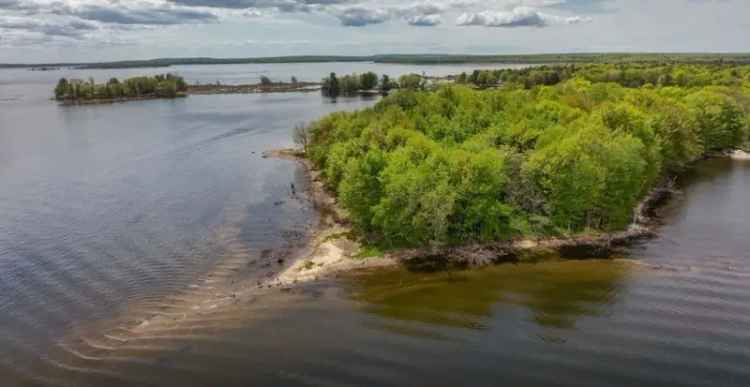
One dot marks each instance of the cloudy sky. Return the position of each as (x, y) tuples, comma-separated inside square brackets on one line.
[(99, 30)]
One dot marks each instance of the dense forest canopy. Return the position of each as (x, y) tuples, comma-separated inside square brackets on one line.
[(629, 75), (539, 155), (160, 86)]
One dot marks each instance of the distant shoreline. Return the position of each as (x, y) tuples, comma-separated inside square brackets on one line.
[(414, 59), (279, 87)]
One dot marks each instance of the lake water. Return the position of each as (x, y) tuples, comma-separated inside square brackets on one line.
[(114, 212)]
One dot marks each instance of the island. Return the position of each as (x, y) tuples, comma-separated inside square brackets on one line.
[(77, 91), (564, 159)]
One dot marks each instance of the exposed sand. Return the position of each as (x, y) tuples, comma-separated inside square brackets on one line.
[(333, 253), (330, 251), (740, 155)]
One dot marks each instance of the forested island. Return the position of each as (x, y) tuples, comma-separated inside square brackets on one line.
[(369, 82), (77, 91), (544, 152)]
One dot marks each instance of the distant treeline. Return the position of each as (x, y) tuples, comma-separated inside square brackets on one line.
[(628, 75), (333, 86), (734, 58), (160, 86)]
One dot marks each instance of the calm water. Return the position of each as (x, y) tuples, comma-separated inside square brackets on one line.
[(116, 211)]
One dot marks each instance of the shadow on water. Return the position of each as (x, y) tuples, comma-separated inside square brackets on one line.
[(556, 294)]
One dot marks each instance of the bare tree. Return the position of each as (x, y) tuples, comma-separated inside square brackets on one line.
[(301, 136)]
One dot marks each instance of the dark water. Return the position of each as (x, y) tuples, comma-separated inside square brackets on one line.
[(105, 207), (111, 211)]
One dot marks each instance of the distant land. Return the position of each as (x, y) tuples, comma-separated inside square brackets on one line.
[(426, 59)]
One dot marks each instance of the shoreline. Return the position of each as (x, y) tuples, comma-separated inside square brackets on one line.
[(257, 88), (333, 252), (328, 251), (278, 88), (108, 101)]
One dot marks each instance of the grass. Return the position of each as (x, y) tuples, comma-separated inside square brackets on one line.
[(370, 251), (340, 235)]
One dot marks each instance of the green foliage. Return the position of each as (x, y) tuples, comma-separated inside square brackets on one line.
[(411, 82), (386, 84), (62, 88), (330, 86), (720, 122), (333, 86), (368, 81), (161, 86), (632, 75), (460, 165)]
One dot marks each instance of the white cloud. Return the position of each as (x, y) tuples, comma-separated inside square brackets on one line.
[(517, 17)]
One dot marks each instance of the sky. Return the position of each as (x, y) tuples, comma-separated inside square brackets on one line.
[(34, 31)]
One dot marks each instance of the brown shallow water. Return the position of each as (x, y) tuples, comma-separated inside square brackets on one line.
[(675, 312)]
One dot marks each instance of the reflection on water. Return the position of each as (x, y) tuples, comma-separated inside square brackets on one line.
[(556, 294)]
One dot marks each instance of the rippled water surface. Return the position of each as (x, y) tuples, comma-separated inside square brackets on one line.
[(110, 215)]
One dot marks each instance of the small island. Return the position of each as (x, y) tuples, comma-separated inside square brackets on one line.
[(76, 91)]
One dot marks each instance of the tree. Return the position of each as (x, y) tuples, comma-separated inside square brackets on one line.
[(63, 89), (721, 123), (301, 136), (386, 84), (350, 84), (265, 81), (411, 82), (166, 89), (331, 86), (368, 81), (574, 152), (161, 86), (294, 80)]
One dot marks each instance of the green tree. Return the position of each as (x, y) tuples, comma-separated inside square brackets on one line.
[(386, 85), (62, 89), (368, 81), (411, 82), (331, 86)]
